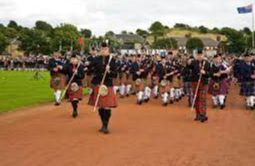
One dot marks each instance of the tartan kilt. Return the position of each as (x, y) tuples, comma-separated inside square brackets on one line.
[(188, 88), (123, 78), (176, 82), (163, 89), (75, 95), (200, 102), (223, 89), (129, 79), (60, 84), (247, 89), (108, 101), (141, 86), (149, 81), (116, 81), (88, 80)]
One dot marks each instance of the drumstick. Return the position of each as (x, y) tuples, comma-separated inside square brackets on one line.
[(198, 84), (102, 82), (66, 88)]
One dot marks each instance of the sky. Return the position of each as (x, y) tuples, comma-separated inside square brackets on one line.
[(103, 15)]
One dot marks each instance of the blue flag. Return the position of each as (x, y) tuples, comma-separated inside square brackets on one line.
[(245, 9)]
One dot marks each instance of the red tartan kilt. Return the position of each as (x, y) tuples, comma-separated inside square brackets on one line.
[(75, 95), (108, 101), (200, 102)]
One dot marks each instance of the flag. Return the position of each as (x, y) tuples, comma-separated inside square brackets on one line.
[(245, 9)]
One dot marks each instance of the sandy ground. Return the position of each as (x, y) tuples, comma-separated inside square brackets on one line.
[(148, 135)]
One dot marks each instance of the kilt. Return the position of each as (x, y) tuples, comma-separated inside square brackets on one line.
[(108, 101), (129, 79), (247, 89), (188, 88), (141, 86), (75, 95), (58, 81), (88, 80), (123, 78), (176, 82), (200, 102), (223, 89), (163, 89)]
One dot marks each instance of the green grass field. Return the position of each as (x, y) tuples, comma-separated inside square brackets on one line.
[(19, 89)]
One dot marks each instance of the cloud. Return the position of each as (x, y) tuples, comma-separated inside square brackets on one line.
[(117, 15)]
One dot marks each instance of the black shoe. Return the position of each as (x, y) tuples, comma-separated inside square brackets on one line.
[(127, 95), (222, 107), (57, 104), (171, 102), (75, 114), (203, 119), (139, 102), (147, 100), (164, 104)]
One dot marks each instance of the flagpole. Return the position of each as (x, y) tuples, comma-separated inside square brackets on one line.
[(253, 43)]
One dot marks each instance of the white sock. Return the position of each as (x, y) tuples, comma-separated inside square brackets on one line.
[(172, 94), (146, 94), (58, 94), (122, 90), (128, 89), (252, 100), (215, 100), (155, 90), (221, 99), (248, 101), (165, 97), (140, 96)]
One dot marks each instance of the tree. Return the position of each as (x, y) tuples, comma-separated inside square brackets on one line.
[(86, 33), (157, 29), (165, 43), (44, 26), (109, 34), (3, 42), (203, 29), (34, 41), (236, 41), (13, 24), (194, 43), (142, 33), (182, 26), (66, 35)]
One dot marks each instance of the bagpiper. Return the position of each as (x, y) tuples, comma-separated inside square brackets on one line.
[(200, 69), (103, 96), (58, 79), (75, 73), (247, 80), (218, 85)]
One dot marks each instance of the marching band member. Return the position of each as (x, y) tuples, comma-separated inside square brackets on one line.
[(89, 67), (218, 85), (57, 81), (200, 69), (137, 76), (75, 73), (247, 78), (103, 64), (186, 76)]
